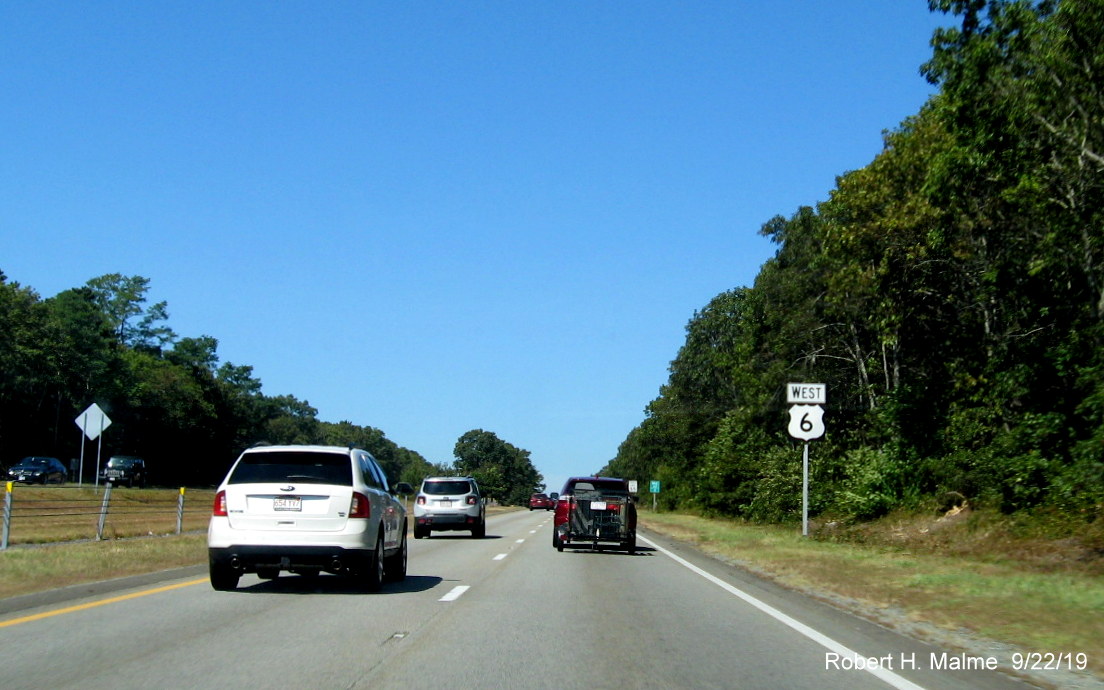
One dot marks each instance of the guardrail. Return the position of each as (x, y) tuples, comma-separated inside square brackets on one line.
[(54, 514)]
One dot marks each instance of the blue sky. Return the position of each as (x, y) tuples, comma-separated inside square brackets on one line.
[(431, 217)]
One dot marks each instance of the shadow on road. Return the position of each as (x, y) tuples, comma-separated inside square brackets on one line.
[(462, 536), (609, 550), (333, 584)]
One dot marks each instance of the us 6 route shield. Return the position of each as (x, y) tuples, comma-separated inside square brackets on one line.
[(806, 422)]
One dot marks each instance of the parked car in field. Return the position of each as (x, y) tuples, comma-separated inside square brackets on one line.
[(541, 502), (449, 503), (125, 469), (595, 512), (307, 509), (38, 469)]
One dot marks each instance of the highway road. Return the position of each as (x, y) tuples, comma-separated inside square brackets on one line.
[(504, 611)]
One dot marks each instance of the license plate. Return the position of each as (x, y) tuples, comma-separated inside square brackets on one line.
[(446, 504), (289, 503), (597, 505)]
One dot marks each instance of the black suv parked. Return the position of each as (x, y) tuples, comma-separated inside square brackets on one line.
[(125, 469)]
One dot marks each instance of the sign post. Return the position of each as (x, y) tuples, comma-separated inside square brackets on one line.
[(806, 423), (92, 423)]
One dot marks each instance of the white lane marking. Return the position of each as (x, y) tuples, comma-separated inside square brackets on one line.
[(532, 531), (520, 541), (500, 556), (888, 676), (455, 593)]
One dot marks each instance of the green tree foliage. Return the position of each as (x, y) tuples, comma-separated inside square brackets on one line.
[(81, 335), (400, 464), (26, 381), (950, 293), (170, 399), (121, 299), (503, 471), (291, 420)]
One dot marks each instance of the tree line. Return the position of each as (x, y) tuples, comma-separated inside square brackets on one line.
[(502, 470), (950, 294), (170, 398)]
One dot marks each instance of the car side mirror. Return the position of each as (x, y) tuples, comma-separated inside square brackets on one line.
[(403, 489)]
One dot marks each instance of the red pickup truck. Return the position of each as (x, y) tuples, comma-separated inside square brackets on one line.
[(595, 512)]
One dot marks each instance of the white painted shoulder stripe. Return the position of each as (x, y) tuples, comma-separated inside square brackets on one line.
[(888, 676)]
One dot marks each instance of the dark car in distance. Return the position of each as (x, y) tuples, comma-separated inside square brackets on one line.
[(38, 469), (125, 469), (541, 502)]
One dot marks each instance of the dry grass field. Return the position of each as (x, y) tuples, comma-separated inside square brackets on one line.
[(55, 514)]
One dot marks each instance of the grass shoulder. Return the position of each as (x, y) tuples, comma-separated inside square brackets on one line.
[(31, 569)]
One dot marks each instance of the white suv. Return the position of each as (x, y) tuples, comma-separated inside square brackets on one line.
[(307, 509), (449, 503)]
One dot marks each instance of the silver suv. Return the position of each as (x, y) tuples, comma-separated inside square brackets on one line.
[(307, 509), (449, 503)]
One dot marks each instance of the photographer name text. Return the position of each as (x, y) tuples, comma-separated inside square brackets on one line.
[(943, 661)]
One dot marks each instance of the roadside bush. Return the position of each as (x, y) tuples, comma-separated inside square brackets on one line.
[(876, 483), (731, 468), (778, 489)]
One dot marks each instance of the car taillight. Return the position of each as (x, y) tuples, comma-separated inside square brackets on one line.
[(421, 500), (472, 500), (359, 507), (220, 505)]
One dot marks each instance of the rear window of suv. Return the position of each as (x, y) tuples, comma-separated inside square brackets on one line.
[(447, 488), (291, 466)]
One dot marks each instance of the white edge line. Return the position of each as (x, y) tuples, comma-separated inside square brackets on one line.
[(455, 593), (821, 639)]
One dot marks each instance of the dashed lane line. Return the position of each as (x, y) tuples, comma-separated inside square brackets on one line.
[(455, 593)]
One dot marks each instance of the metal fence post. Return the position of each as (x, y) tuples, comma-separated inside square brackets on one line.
[(103, 511), (180, 512), (7, 516)]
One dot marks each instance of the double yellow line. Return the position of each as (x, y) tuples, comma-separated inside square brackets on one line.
[(101, 602)]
